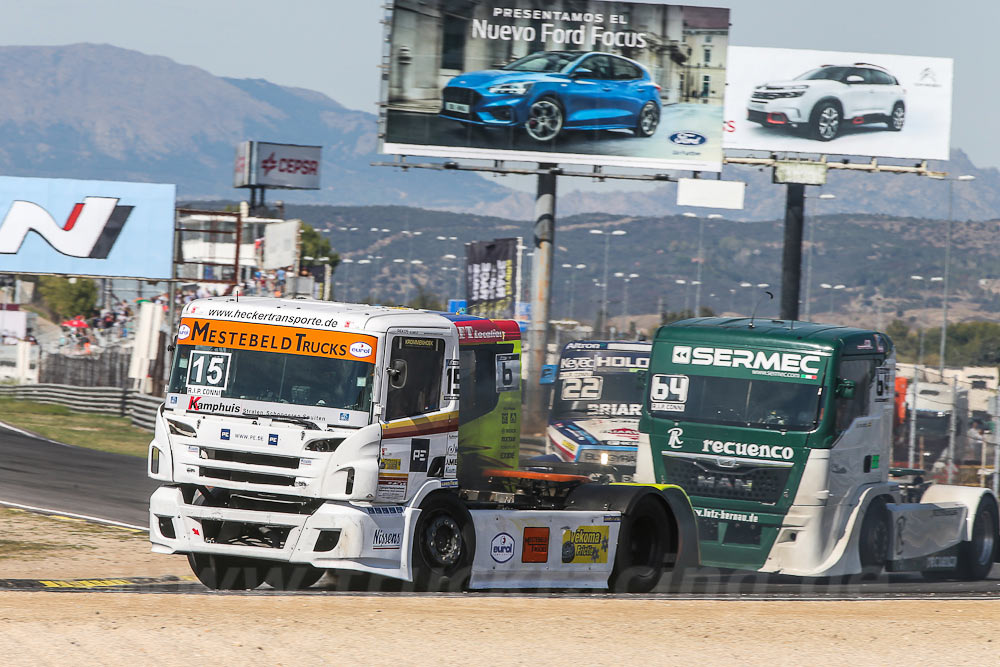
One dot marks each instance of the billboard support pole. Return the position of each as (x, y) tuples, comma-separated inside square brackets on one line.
[(791, 259), (541, 298)]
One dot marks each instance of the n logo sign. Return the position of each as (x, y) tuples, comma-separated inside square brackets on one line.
[(90, 230)]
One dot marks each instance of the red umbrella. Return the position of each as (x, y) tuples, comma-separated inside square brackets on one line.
[(76, 322)]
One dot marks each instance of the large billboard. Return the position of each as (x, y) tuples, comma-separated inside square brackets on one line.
[(86, 228), (790, 100), (289, 166), (631, 84)]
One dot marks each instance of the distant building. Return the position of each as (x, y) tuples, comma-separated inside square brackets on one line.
[(706, 40)]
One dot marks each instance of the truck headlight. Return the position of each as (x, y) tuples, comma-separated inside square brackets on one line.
[(180, 428), (519, 88), (324, 445)]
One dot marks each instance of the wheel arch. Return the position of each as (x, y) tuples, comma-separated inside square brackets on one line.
[(827, 98), (970, 496)]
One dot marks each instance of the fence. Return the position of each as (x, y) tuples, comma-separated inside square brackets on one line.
[(105, 369), (139, 408)]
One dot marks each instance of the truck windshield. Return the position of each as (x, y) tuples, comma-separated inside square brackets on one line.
[(599, 395), (786, 406), (271, 376)]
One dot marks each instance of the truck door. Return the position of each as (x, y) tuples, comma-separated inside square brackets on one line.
[(420, 415)]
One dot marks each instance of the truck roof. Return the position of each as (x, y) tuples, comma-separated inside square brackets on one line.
[(311, 313), (738, 331)]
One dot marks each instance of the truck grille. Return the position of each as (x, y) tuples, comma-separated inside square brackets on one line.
[(233, 456), (762, 484), (245, 534), (247, 477)]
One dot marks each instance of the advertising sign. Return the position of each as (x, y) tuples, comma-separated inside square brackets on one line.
[(86, 228), (276, 166), (491, 277), (878, 105), (587, 82), (281, 242)]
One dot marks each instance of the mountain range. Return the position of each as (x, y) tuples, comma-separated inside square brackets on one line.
[(102, 112)]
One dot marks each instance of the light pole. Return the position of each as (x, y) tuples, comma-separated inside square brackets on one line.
[(832, 288), (947, 262), (809, 259), (572, 286), (626, 279), (409, 265), (607, 246), (700, 257), (365, 261), (687, 294), (346, 261)]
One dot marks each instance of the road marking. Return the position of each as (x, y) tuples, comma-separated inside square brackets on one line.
[(67, 516)]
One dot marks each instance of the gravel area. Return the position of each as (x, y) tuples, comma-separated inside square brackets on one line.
[(61, 628)]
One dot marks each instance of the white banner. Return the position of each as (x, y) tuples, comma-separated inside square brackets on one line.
[(836, 103), (280, 244)]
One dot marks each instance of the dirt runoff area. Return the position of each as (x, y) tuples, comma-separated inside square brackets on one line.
[(60, 628)]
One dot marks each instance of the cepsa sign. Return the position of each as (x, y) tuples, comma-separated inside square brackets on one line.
[(269, 338), (276, 166)]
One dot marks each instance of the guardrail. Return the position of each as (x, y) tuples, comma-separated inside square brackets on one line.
[(139, 408)]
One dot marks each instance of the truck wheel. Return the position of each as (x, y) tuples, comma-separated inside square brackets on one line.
[(642, 544), (443, 544), (288, 577), (226, 573), (975, 557), (873, 543)]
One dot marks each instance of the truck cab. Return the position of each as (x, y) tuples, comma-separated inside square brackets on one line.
[(302, 436), (781, 432)]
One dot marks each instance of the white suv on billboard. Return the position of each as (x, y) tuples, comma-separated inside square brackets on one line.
[(822, 100)]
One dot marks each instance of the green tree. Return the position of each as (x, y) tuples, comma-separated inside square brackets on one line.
[(316, 245), (64, 299), (426, 300)]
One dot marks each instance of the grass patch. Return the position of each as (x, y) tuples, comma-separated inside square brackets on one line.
[(95, 431), (12, 548)]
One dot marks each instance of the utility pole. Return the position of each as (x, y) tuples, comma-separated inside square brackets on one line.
[(913, 421), (791, 258), (951, 427), (541, 298)]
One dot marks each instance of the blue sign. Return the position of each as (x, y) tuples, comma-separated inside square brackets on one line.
[(87, 228), (548, 374), (457, 306)]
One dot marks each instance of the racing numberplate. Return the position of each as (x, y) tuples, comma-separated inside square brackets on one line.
[(455, 106)]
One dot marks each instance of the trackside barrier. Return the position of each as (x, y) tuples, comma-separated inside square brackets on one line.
[(139, 408)]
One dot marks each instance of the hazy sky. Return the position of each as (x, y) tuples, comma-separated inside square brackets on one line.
[(333, 46)]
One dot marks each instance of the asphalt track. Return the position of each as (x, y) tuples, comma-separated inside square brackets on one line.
[(49, 476)]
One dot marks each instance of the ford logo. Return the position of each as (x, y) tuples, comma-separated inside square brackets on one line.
[(688, 138), (361, 350)]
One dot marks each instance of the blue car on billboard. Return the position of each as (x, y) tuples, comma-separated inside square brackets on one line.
[(550, 92)]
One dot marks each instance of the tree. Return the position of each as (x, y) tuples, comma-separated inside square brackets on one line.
[(64, 298), (316, 246), (425, 300)]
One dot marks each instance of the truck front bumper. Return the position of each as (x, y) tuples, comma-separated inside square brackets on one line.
[(337, 535)]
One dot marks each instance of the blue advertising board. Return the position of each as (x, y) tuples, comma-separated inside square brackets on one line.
[(86, 228)]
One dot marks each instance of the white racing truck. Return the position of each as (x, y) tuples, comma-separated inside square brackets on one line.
[(302, 436)]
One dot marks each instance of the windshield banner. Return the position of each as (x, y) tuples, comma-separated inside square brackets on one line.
[(596, 82), (749, 364), (282, 339)]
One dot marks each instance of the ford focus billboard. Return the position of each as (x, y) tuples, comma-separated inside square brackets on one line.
[(86, 228), (574, 81), (790, 100)]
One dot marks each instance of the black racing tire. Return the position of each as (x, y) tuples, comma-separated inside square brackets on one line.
[(292, 577), (648, 120), (897, 118), (227, 573), (546, 118), (873, 542), (976, 557), (444, 543), (825, 121), (643, 540)]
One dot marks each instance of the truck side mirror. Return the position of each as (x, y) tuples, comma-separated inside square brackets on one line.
[(845, 388), (640, 380), (397, 373)]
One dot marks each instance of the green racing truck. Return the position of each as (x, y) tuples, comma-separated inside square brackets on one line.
[(781, 434)]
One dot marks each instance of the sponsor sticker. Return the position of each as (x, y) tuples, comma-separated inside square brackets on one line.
[(272, 439), (345, 417), (173, 400), (183, 331), (586, 544), (224, 434), (419, 453), (383, 539), (536, 545), (361, 350), (502, 547), (390, 464), (384, 509), (391, 487), (277, 338)]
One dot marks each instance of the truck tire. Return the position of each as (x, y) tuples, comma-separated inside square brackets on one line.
[(444, 543), (975, 557), (873, 542), (290, 577), (226, 573), (643, 540)]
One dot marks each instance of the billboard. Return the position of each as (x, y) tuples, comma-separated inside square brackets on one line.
[(260, 164), (281, 244), (492, 277), (86, 228), (630, 84), (790, 100)]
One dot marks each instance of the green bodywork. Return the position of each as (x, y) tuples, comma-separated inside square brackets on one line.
[(741, 508)]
